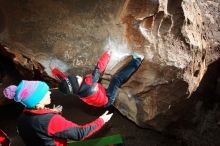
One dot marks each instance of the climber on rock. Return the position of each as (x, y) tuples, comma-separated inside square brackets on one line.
[(88, 89), (4, 140), (41, 126)]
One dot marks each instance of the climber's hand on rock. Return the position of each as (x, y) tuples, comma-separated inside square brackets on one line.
[(52, 65), (106, 117), (109, 52)]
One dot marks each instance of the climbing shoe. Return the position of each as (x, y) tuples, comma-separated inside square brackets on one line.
[(138, 56)]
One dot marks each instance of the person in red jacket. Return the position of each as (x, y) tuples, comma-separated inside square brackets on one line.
[(4, 140), (41, 126), (88, 89)]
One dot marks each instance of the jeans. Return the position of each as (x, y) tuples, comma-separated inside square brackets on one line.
[(119, 79)]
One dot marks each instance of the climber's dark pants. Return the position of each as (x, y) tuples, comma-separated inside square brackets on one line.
[(119, 79)]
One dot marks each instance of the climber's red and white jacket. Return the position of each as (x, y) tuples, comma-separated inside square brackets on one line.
[(47, 128), (90, 91)]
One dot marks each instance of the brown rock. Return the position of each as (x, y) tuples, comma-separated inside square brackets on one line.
[(178, 38)]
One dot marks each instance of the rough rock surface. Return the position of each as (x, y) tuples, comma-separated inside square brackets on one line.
[(179, 39)]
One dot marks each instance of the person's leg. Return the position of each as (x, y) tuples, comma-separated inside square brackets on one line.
[(120, 78)]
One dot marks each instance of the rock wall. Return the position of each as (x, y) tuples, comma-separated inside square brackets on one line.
[(179, 39), (67, 32)]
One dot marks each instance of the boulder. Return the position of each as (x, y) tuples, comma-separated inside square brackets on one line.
[(178, 38)]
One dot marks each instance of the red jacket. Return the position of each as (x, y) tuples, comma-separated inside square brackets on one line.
[(4, 139), (47, 128), (98, 97)]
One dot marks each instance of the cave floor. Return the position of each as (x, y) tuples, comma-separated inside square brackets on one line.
[(80, 113)]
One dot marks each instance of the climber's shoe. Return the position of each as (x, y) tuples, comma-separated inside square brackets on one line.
[(138, 56)]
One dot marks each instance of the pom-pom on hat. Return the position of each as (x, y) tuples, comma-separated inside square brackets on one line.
[(29, 93), (10, 91)]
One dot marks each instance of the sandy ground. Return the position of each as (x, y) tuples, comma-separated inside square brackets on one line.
[(81, 113)]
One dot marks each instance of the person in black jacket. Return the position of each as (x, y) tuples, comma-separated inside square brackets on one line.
[(40, 126)]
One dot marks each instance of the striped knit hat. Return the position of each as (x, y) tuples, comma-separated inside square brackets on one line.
[(29, 93)]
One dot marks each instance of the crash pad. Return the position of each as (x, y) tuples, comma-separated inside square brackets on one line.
[(113, 140)]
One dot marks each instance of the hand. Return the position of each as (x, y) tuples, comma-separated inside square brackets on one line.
[(52, 65), (109, 52), (58, 108), (106, 117)]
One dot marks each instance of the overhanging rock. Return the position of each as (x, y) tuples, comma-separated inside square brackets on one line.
[(178, 38)]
